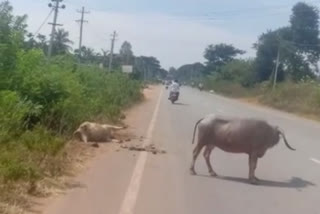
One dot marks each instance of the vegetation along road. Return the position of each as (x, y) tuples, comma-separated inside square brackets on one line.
[(49, 86)]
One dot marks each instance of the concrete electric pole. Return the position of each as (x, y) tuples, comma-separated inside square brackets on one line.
[(276, 69), (113, 39), (81, 21), (56, 6)]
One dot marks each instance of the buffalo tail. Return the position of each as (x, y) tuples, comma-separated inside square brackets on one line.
[(285, 139), (195, 129)]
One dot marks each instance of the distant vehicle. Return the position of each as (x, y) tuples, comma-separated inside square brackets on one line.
[(167, 83), (174, 97), (200, 86)]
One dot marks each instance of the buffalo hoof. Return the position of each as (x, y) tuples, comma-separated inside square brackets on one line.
[(213, 174), (192, 172), (254, 181)]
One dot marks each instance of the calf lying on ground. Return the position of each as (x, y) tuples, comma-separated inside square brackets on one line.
[(251, 136), (94, 132)]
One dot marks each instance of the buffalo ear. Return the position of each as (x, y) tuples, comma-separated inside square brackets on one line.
[(85, 127)]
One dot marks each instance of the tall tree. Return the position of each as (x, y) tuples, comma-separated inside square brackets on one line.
[(305, 32), (148, 68), (42, 42), (126, 54), (12, 32), (220, 54), (172, 69), (267, 47), (88, 55), (39, 42), (61, 44), (305, 27), (189, 72), (31, 42), (298, 45)]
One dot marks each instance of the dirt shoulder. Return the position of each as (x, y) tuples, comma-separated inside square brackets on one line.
[(89, 159)]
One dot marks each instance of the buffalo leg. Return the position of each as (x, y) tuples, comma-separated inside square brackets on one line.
[(84, 138), (206, 155), (196, 153), (253, 159)]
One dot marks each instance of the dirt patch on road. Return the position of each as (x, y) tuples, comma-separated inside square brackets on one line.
[(140, 148)]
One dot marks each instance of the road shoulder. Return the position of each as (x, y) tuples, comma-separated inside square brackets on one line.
[(102, 183)]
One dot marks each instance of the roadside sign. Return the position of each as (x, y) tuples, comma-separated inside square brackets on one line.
[(127, 68)]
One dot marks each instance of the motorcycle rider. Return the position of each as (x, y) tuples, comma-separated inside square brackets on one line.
[(200, 86), (174, 88)]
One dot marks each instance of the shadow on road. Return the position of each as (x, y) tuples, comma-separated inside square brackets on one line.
[(181, 104), (294, 182)]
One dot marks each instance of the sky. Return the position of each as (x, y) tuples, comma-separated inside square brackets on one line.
[(175, 31)]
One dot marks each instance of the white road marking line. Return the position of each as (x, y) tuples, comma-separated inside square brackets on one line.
[(315, 160), (131, 195)]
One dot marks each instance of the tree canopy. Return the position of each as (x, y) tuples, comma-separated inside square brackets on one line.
[(12, 32), (61, 42), (298, 46), (220, 54), (188, 72), (126, 53)]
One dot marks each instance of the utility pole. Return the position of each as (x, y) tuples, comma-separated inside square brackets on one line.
[(144, 71), (276, 69), (81, 21), (113, 39), (56, 8)]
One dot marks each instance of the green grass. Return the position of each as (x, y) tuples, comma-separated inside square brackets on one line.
[(301, 98), (42, 104)]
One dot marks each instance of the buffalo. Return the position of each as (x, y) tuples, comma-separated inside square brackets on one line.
[(94, 132), (235, 135)]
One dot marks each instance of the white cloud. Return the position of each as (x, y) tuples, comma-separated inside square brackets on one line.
[(174, 41)]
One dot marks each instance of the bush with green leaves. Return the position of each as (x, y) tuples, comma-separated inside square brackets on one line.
[(45, 101), (237, 71), (13, 112), (42, 101)]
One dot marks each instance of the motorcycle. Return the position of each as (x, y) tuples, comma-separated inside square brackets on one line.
[(174, 97)]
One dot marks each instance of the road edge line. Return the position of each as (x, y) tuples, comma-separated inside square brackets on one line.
[(129, 202), (315, 160)]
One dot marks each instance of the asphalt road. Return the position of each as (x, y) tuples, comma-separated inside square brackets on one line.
[(123, 183)]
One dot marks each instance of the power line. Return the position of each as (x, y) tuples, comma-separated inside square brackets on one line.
[(44, 22)]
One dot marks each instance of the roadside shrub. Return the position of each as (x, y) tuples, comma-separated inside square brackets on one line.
[(12, 115), (238, 71), (44, 102), (14, 167), (303, 97)]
